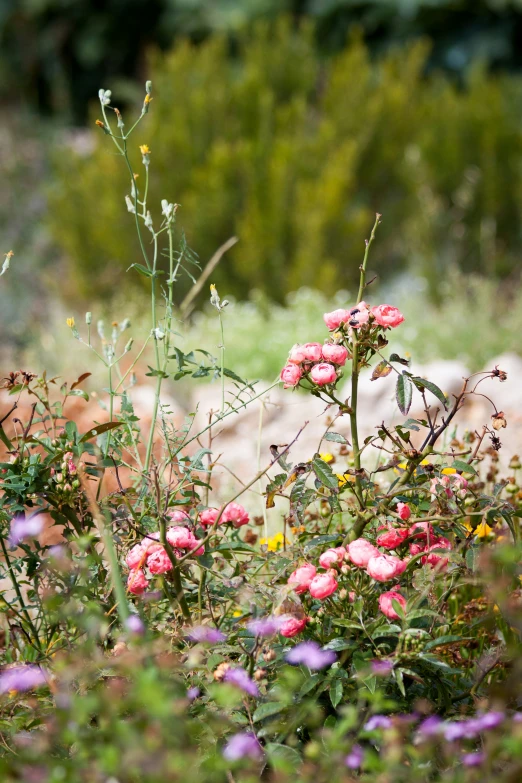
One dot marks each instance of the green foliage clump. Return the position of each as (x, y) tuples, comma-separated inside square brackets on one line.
[(294, 156)]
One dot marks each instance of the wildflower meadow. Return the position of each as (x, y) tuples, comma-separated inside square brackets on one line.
[(360, 621)]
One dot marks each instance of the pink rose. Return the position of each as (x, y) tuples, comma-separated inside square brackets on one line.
[(296, 355), (181, 538), (335, 353), (385, 567), (323, 373), (404, 511), (334, 319), (422, 531), (178, 515), (416, 549), (312, 352), (137, 582), (236, 514), (443, 481), (360, 551), (209, 516), (385, 603), (386, 315), (136, 556), (393, 538), (323, 585), (291, 625), (159, 562), (301, 578), (435, 558), (332, 557), (290, 375)]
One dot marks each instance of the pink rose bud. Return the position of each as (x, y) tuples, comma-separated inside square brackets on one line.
[(332, 557), (385, 567), (322, 586), (323, 373), (236, 514), (334, 319), (422, 531), (393, 538), (136, 556), (404, 511), (181, 538), (385, 603), (335, 353), (386, 315), (296, 355), (416, 549), (137, 583), (291, 625), (360, 551), (159, 562), (178, 515), (301, 578), (312, 352), (290, 375), (209, 516)]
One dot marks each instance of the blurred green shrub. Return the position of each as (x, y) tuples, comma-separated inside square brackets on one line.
[(294, 155)]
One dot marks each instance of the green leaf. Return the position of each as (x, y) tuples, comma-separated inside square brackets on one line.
[(320, 541), (335, 437), (336, 692), (99, 430), (282, 757), (421, 383), (442, 640), (459, 464), (404, 393), (78, 393), (268, 709), (381, 370), (324, 473), (396, 358)]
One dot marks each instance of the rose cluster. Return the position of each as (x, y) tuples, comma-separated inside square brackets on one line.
[(321, 363)]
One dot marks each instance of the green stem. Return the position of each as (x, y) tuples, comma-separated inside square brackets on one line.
[(222, 355), (16, 587)]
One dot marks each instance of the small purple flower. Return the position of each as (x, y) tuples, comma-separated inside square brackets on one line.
[(355, 757), (489, 720), (264, 626), (378, 722), (22, 528), (473, 759), (456, 730), (22, 678), (204, 633), (243, 745), (135, 625), (240, 679), (431, 726), (517, 717), (381, 668), (193, 693), (311, 655)]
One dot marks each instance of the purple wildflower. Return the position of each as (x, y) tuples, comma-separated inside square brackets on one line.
[(243, 745), (135, 625), (517, 717), (311, 655), (431, 726), (193, 693), (22, 528), (473, 759), (458, 730), (378, 722), (264, 626), (355, 757), (381, 668), (240, 679), (489, 720), (22, 678), (204, 633)]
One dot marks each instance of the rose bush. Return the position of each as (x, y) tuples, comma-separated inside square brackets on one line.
[(376, 635)]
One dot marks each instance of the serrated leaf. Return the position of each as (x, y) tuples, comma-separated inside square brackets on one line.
[(459, 464), (404, 393), (268, 709), (381, 370), (421, 383), (324, 473)]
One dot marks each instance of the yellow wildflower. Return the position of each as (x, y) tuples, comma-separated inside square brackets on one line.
[(274, 543), (148, 99), (144, 149), (70, 323), (344, 478), (100, 124), (237, 613), (327, 457), (481, 531)]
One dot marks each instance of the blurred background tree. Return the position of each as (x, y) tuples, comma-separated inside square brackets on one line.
[(285, 122)]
